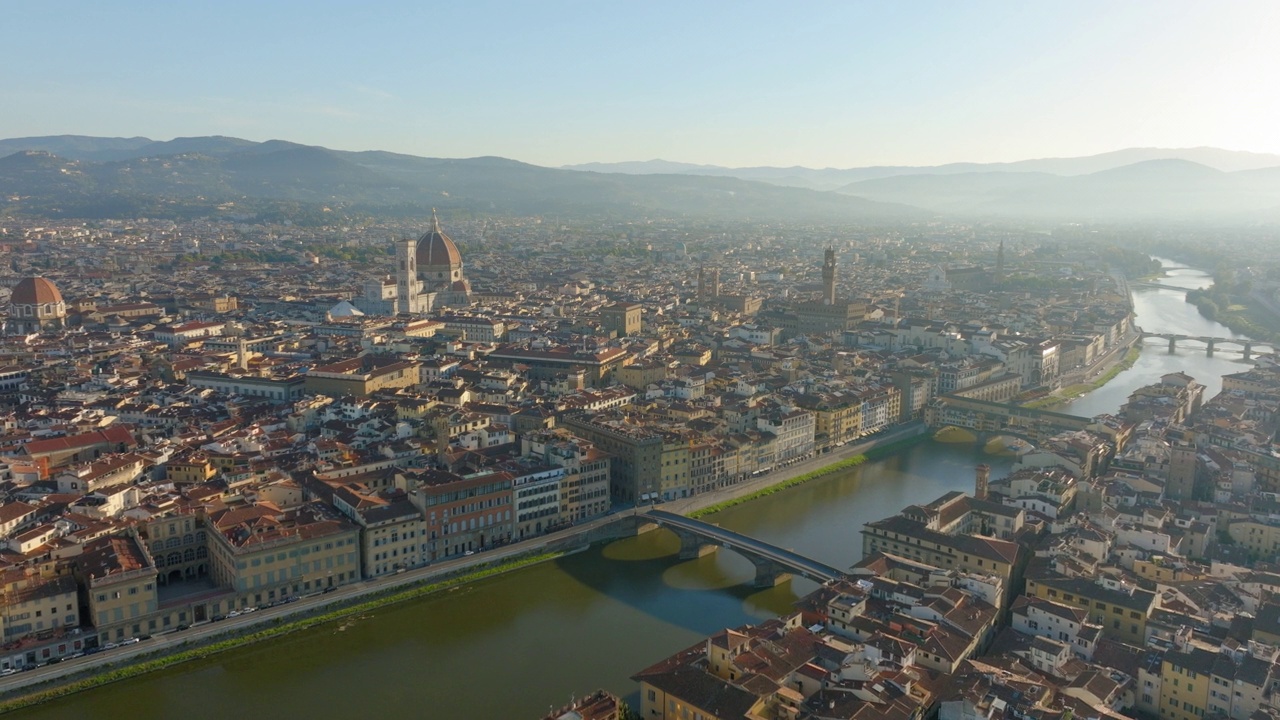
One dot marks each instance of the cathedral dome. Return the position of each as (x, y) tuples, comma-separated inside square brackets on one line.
[(435, 249), (35, 291)]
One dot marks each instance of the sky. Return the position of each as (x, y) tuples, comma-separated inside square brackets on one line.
[(819, 84)]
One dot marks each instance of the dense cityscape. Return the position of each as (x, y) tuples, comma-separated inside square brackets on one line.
[(207, 420)]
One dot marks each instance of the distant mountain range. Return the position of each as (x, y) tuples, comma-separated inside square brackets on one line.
[(119, 177), (836, 178), (78, 176)]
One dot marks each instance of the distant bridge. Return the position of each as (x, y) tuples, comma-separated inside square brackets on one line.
[(1162, 286), (984, 416), (1211, 343), (773, 564)]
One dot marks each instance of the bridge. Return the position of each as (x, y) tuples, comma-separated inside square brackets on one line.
[(1162, 286), (774, 565), (1211, 344), (984, 416)]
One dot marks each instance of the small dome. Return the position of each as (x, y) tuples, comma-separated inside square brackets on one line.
[(436, 249), (35, 291)]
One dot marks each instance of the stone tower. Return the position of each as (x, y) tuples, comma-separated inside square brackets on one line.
[(708, 283), (406, 275), (1000, 265), (982, 476), (829, 277)]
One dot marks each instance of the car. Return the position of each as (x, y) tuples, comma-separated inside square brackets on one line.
[(92, 651), (233, 613), (330, 589), (140, 638), (130, 641), (53, 661), (111, 646), (184, 626), (8, 671), (74, 655), (469, 552), (248, 610), (218, 618)]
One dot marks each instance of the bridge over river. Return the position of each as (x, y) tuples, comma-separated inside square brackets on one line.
[(1211, 344), (773, 564)]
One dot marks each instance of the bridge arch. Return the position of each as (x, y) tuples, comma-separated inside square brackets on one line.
[(773, 564)]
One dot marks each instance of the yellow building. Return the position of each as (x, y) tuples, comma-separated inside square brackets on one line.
[(1164, 570), (676, 456), (1260, 539), (35, 604), (179, 546), (1121, 610), (194, 468), (361, 376), (120, 581), (837, 417), (1184, 683), (263, 553), (912, 539), (394, 536), (640, 375)]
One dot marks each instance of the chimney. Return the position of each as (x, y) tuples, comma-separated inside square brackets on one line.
[(981, 476)]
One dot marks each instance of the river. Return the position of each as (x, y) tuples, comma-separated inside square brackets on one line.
[(513, 646), (1167, 311)]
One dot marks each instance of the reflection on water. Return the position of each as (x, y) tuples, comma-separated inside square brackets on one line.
[(511, 646), (1166, 311)]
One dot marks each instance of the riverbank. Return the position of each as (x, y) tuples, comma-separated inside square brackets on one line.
[(898, 438), (1071, 392), (169, 649), (846, 464), (1243, 311), (224, 636)]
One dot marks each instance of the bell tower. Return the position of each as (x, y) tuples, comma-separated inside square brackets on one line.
[(829, 277), (406, 275)]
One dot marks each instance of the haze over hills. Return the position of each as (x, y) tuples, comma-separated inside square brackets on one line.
[(68, 176), (836, 178), (1169, 189), (119, 177)]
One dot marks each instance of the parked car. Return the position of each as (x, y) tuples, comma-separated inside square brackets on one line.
[(111, 646), (217, 618), (130, 641), (233, 613), (184, 626)]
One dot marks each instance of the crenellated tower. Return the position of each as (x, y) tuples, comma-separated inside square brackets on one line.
[(829, 277)]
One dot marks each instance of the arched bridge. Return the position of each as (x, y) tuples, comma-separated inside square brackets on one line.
[(1211, 343), (773, 564), (1144, 283), (986, 417)]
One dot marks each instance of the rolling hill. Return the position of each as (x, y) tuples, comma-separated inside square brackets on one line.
[(196, 174)]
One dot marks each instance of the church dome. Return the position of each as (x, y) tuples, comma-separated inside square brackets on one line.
[(435, 249), (35, 291)]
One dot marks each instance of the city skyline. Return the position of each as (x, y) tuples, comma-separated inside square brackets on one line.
[(844, 86)]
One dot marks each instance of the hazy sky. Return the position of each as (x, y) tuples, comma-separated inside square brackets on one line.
[(735, 83)]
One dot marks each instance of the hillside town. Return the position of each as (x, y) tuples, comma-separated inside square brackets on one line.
[(203, 419)]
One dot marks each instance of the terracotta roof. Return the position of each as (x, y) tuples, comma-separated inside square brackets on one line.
[(35, 291), (436, 249)]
